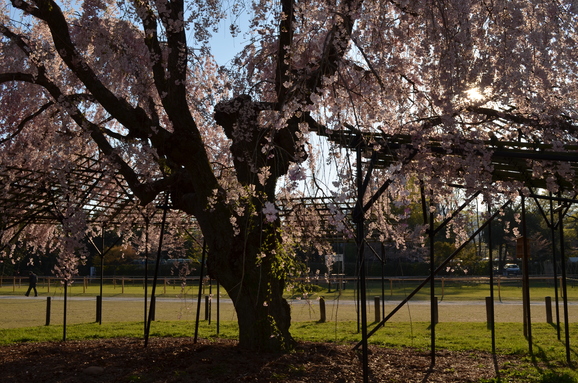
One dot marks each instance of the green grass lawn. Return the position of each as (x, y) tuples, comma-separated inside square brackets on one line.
[(452, 336), (547, 364)]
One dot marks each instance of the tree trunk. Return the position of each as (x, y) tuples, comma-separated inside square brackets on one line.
[(264, 316), (263, 323), (250, 267)]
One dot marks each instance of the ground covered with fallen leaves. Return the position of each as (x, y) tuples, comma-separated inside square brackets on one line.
[(220, 360)]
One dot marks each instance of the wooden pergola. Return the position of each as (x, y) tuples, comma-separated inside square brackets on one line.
[(40, 197), (509, 161)]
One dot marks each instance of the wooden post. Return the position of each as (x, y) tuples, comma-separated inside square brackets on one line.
[(377, 301), (207, 308), (13, 284), (99, 309), (48, 305), (48, 284), (165, 286), (122, 284), (322, 313), (548, 301), (489, 312)]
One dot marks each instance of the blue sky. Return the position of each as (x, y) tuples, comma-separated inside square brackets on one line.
[(223, 45)]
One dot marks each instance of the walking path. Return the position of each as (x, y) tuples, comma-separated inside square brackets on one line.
[(21, 311)]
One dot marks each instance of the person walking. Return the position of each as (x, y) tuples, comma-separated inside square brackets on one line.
[(32, 280)]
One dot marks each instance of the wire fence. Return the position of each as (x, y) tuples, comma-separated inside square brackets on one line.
[(460, 288)]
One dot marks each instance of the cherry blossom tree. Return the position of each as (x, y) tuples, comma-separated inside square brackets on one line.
[(134, 84)]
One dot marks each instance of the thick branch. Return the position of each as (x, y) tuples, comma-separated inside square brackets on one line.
[(150, 26), (337, 42), (134, 119), (185, 147), (177, 55), (170, 76)]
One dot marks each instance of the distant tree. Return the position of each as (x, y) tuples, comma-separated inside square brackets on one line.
[(121, 254)]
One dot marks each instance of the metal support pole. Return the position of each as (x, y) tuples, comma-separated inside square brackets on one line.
[(146, 275), (564, 285), (218, 307), (65, 310), (433, 298), (382, 280), (359, 218), (99, 302), (153, 308), (491, 303), (48, 306), (555, 268), (200, 294), (526, 280), (157, 266), (428, 218), (357, 294)]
